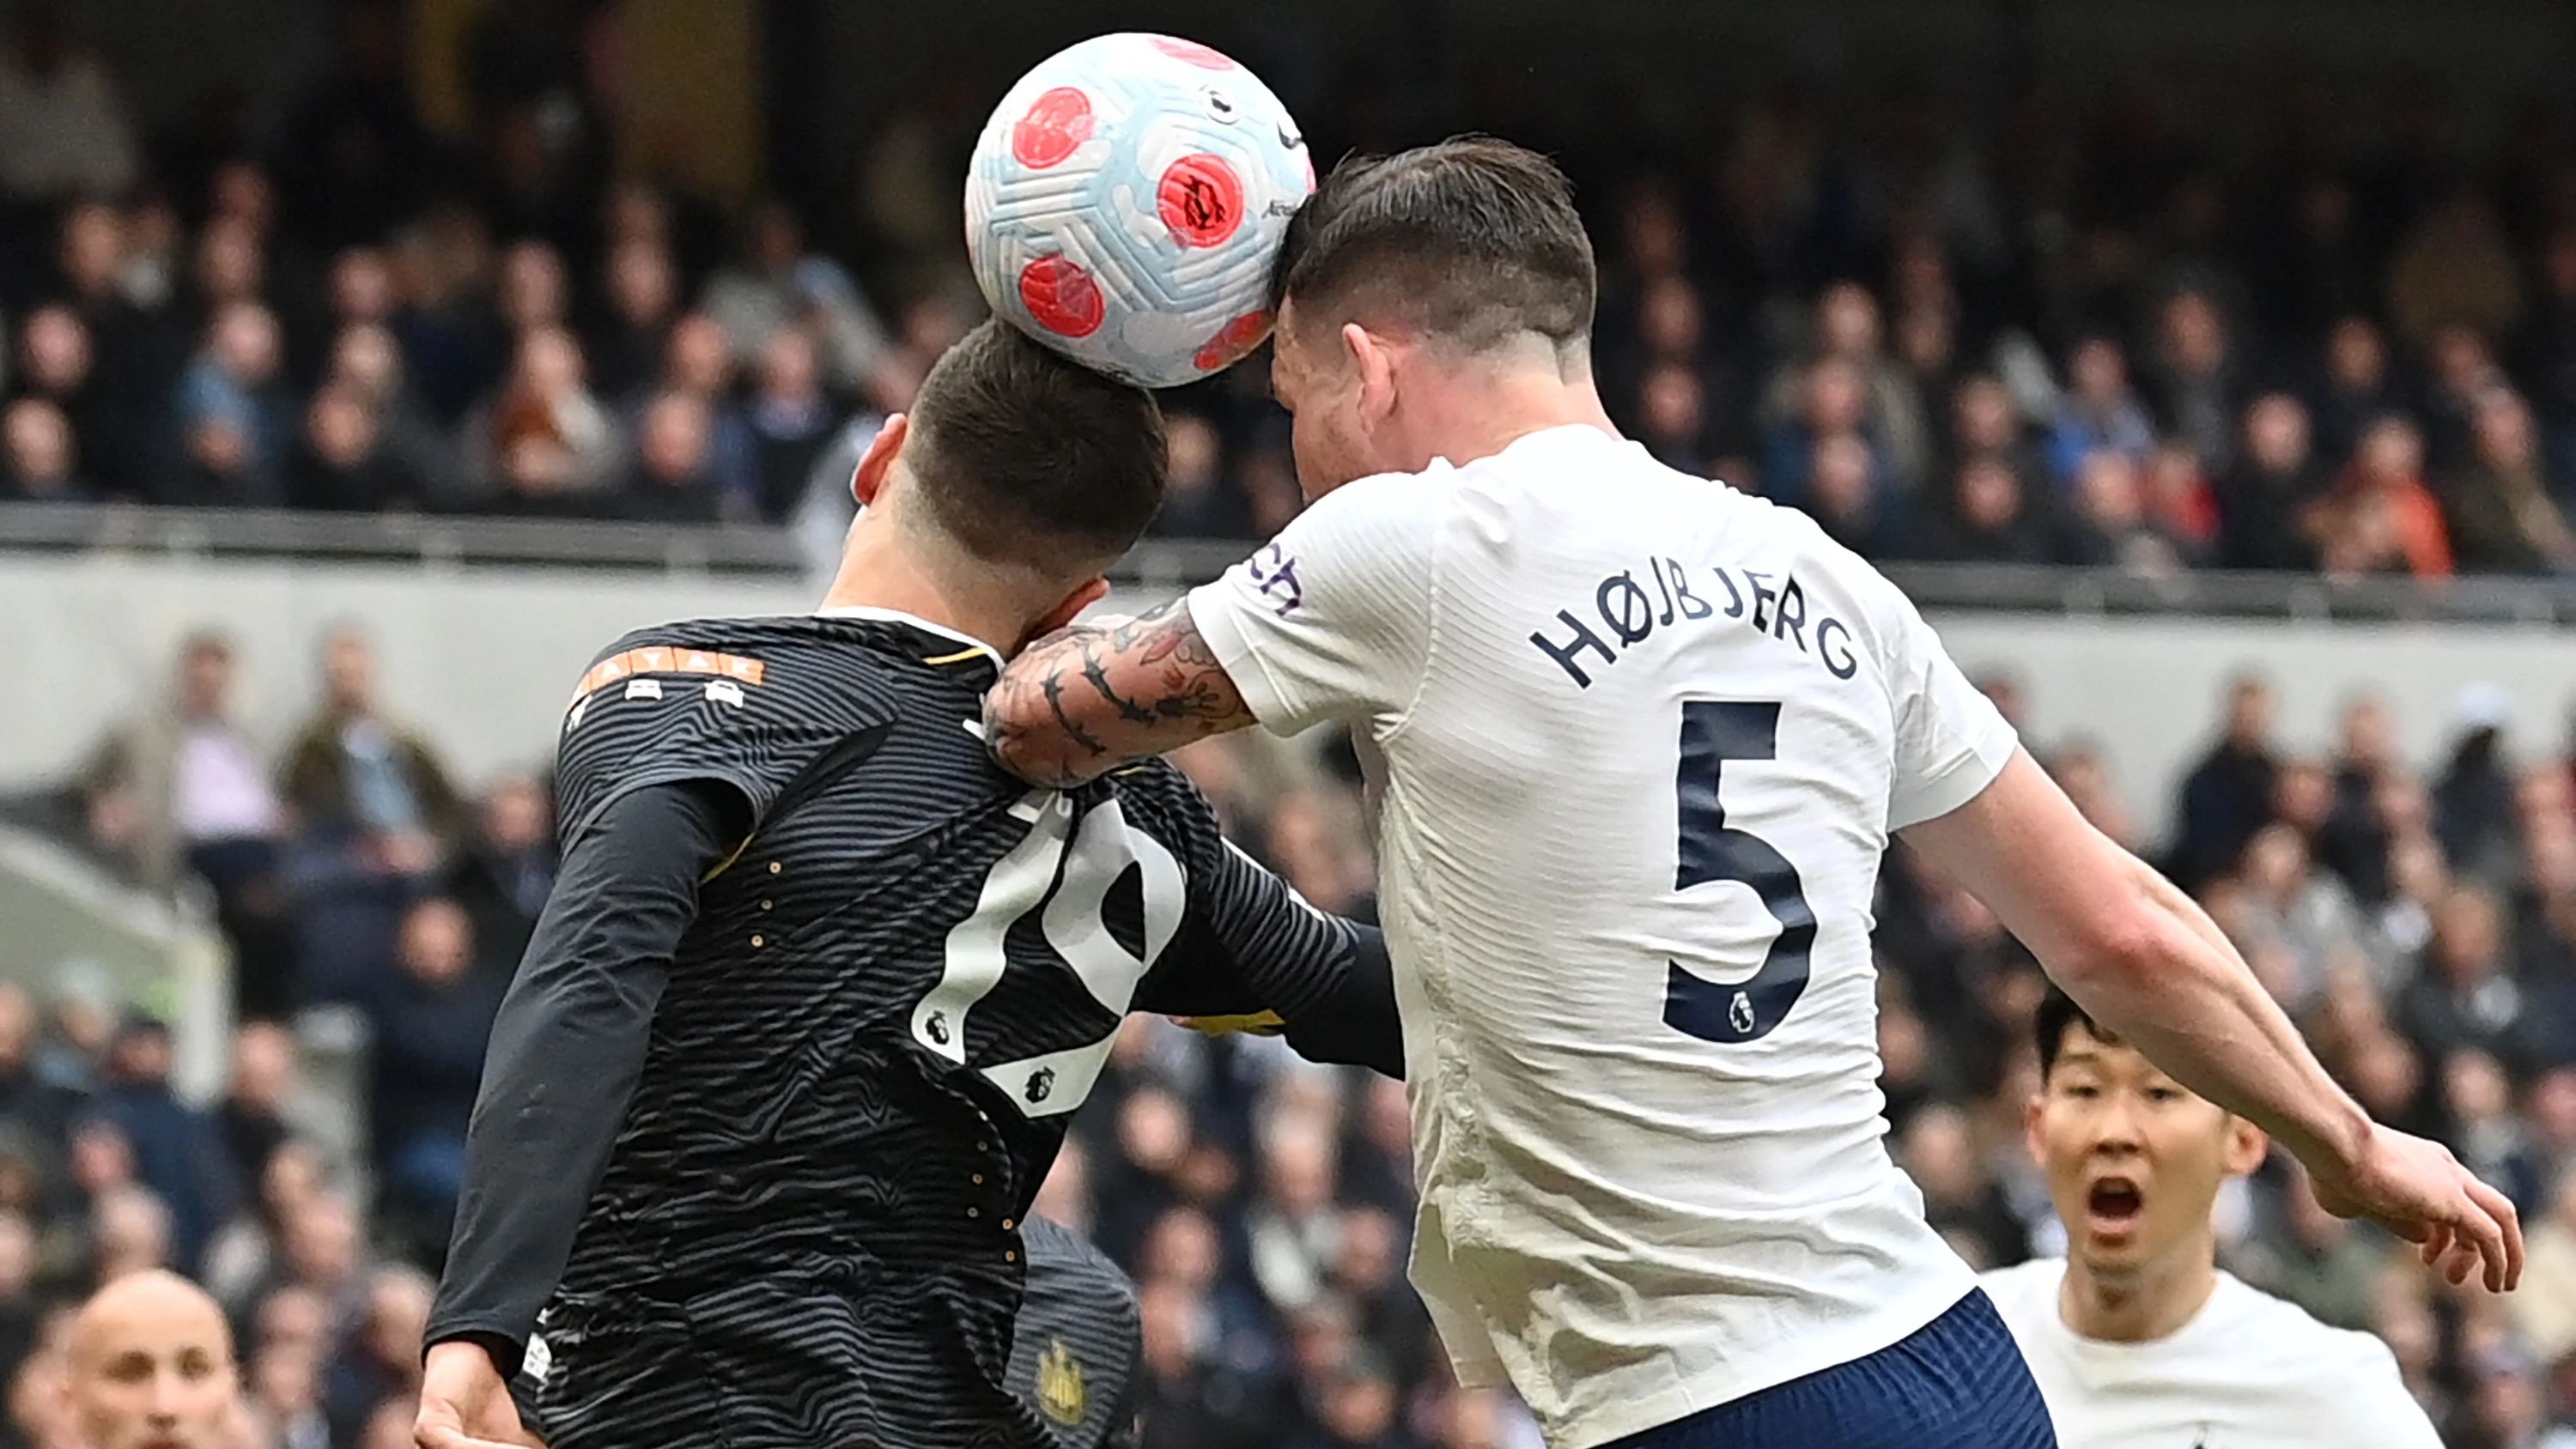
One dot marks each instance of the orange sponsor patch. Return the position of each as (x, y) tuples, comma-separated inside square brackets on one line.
[(665, 660)]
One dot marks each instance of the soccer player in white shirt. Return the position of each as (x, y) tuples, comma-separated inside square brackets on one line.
[(1639, 742), (2137, 1339)]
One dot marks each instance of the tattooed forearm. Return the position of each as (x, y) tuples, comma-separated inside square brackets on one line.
[(1085, 700)]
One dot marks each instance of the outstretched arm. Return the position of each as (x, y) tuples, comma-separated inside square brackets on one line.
[(1084, 700), (2147, 963)]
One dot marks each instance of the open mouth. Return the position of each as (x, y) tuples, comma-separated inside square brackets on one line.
[(2114, 1202)]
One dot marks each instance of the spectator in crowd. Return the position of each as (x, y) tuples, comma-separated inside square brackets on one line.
[(791, 420), (1848, 327), (381, 1362), (231, 266), (181, 792), (779, 284), (414, 451), (2265, 499), (55, 367), (674, 479), (178, 1153), (2179, 503), (1985, 422), (345, 463), (1847, 500), (43, 462), (2193, 372), (1196, 502), (2099, 411), (2464, 998), (2499, 506), (2473, 800), (2379, 517), (233, 412), (362, 289), (505, 871), (698, 362), (430, 1022), (642, 300), (2358, 387), (543, 444), (2228, 794), (64, 128), (40, 1106), (2111, 527), (354, 771), (375, 818), (1672, 418), (535, 292), (1993, 518), (259, 1093)]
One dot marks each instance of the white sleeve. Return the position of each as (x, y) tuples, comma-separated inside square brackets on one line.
[(2367, 1403), (1951, 741), (1333, 618)]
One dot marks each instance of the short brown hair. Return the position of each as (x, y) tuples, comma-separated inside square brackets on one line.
[(1028, 458), (1473, 240)]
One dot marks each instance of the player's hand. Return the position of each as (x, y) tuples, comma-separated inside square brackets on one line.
[(465, 1403), (2419, 1191)]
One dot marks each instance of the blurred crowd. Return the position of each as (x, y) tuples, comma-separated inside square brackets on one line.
[(2008, 330), (2417, 917), (2037, 334)]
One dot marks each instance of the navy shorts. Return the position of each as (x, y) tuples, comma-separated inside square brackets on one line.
[(1957, 1383)]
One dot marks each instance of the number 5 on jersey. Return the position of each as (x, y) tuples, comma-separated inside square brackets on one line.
[(1714, 732)]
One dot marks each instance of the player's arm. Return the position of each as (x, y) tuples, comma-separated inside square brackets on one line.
[(1252, 954), (1330, 620), (1089, 698), (2148, 963), (566, 1051)]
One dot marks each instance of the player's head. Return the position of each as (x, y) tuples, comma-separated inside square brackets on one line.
[(151, 1366), (1019, 468), (1404, 274), (2133, 1159)]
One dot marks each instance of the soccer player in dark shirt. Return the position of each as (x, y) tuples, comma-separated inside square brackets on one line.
[(802, 1025)]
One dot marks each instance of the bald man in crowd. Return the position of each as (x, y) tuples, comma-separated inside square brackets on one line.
[(151, 1364)]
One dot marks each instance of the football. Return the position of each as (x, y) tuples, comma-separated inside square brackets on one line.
[(1125, 203)]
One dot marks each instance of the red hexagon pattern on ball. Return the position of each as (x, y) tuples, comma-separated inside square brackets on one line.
[(1057, 123), (1061, 296), (1231, 342), (1201, 200), (1202, 56)]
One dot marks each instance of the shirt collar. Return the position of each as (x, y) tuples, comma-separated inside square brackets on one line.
[(898, 616)]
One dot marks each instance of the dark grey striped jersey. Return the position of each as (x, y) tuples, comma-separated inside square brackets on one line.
[(874, 1030)]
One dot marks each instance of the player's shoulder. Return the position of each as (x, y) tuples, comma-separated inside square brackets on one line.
[(2025, 1294), (1384, 501), (2286, 1334), (1155, 796), (2344, 1381)]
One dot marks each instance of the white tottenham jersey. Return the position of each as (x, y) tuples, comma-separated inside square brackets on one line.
[(1640, 741), (2249, 1371)]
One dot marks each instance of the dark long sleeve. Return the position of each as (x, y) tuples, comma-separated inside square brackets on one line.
[(1252, 946), (1357, 1024), (566, 1052)]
